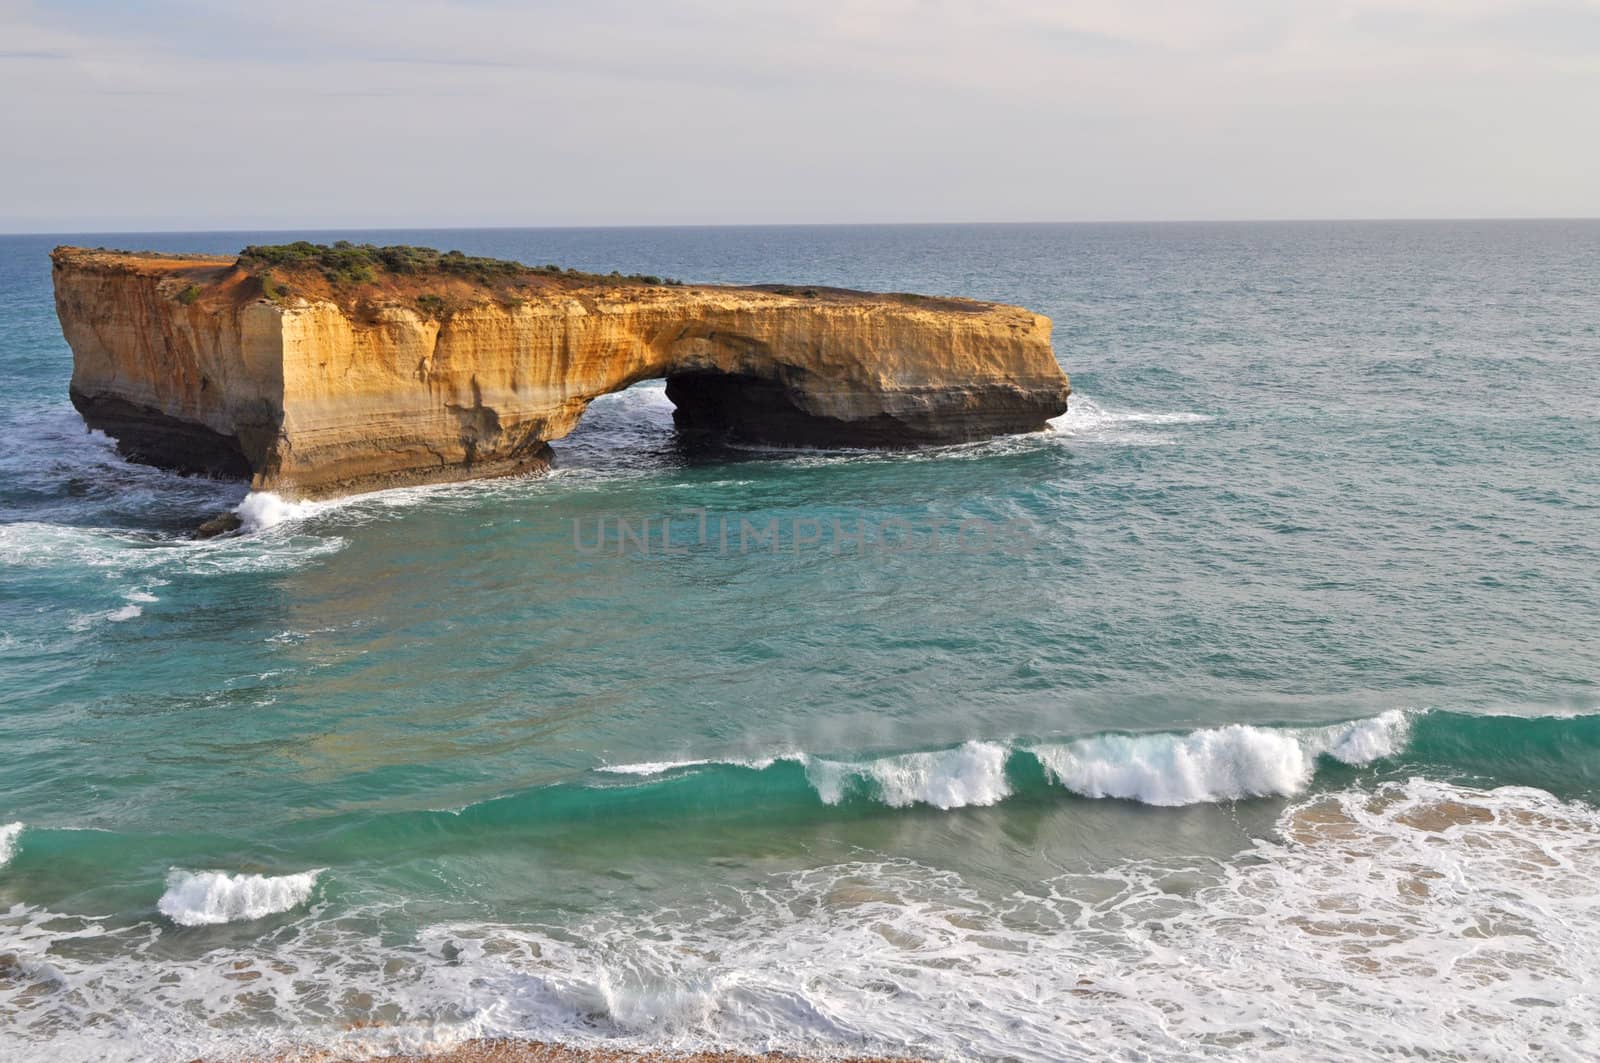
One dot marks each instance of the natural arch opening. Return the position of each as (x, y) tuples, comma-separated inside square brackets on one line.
[(744, 407), (703, 409), (712, 405)]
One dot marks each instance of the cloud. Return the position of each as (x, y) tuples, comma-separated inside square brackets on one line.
[(485, 112)]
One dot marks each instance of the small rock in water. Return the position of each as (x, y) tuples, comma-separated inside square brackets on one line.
[(221, 524)]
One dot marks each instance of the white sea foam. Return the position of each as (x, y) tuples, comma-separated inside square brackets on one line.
[(971, 774), (1416, 918), (9, 833), (85, 621), (261, 510), (84, 552), (1361, 742), (1223, 764), (1353, 924), (1087, 420), (661, 767), (650, 767), (34, 544), (205, 898), (1216, 764), (1208, 765)]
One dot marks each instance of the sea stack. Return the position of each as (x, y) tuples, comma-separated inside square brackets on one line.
[(315, 371)]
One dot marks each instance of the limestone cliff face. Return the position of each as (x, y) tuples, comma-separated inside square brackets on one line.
[(189, 363)]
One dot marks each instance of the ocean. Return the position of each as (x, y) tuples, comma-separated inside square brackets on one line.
[(1250, 710)]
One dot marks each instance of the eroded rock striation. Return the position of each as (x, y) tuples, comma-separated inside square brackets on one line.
[(314, 379)]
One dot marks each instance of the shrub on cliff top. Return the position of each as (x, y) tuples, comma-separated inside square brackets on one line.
[(344, 262)]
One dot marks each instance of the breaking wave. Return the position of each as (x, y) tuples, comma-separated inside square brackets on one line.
[(261, 510), (1087, 420), (1363, 890), (1219, 764), (1209, 765), (650, 767), (9, 833), (1407, 918), (207, 898), (971, 774)]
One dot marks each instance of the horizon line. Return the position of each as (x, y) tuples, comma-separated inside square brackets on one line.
[(801, 225)]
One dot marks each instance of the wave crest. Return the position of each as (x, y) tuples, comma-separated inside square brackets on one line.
[(1227, 763), (1218, 764), (1088, 421), (971, 774), (8, 842), (1431, 919), (261, 510), (209, 898)]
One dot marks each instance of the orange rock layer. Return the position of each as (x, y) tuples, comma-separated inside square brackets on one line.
[(191, 362)]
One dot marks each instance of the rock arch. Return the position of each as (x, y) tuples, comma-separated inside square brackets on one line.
[(326, 396)]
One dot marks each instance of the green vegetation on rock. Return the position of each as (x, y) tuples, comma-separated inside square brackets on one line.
[(346, 263)]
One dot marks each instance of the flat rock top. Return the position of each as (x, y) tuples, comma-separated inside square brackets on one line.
[(457, 282)]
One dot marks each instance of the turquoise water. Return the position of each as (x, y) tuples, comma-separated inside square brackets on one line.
[(1250, 709)]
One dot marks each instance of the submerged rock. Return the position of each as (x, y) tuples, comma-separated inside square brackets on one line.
[(221, 524), (315, 371)]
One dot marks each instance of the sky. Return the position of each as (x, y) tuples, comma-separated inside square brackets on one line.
[(183, 115)]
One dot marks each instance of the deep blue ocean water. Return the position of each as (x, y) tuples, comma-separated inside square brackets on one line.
[(1252, 709)]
